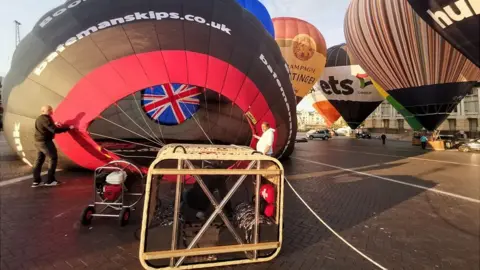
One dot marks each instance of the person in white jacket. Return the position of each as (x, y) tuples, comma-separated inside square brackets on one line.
[(265, 142)]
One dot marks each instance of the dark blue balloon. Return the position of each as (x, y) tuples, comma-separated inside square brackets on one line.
[(260, 11)]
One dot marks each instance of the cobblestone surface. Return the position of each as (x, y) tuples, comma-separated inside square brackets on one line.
[(398, 226)]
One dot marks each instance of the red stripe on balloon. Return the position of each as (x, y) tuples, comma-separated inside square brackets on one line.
[(113, 81)]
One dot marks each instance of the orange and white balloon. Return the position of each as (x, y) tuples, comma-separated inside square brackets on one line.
[(304, 50)]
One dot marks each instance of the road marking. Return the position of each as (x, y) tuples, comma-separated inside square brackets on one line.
[(332, 231), (68, 210), (306, 175), (394, 181), (424, 159), (20, 179)]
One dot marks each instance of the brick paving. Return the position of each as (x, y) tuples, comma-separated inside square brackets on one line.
[(398, 226)]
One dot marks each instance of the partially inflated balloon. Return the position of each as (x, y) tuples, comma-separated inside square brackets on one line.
[(409, 117), (261, 12), (304, 49), (320, 103), (144, 73), (347, 87), (414, 64), (456, 21)]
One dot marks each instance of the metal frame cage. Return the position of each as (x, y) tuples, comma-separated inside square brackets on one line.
[(253, 164)]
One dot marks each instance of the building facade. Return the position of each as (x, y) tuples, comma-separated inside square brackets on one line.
[(309, 119), (465, 117)]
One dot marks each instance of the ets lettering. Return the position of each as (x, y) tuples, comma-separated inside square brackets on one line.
[(331, 86)]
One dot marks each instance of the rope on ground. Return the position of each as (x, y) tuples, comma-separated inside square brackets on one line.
[(331, 230)]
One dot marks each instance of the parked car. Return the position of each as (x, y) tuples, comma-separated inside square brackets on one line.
[(471, 146), (363, 135), (301, 139), (319, 134), (343, 131)]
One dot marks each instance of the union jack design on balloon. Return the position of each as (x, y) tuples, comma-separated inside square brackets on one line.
[(172, 103)]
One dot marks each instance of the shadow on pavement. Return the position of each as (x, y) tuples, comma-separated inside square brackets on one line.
[(343, 200), (41, 227)]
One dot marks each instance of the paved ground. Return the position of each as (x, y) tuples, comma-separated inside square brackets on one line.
[(399, 226), (10, 165)]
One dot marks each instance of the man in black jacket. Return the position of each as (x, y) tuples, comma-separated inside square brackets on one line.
[(384, 137), (45, 130)]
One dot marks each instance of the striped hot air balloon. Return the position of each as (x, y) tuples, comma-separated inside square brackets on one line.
[(456, 21), (408, 59)]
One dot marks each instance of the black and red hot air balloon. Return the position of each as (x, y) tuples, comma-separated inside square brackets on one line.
[(144, 73)]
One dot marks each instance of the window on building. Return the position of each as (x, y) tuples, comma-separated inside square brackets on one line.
[(473, 124), (471, 102), (386, 123), (401, 124), (452, 124), (385, 109), (455, 110)]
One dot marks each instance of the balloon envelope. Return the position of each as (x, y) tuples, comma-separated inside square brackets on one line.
[(323, 107), (347, 87), (414, 64), (304, 49), (456, 21), (409, 117), (143, 73), (261, 12)]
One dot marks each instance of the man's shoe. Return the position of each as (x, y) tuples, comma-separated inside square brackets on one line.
[(35, 184), (52, 184)]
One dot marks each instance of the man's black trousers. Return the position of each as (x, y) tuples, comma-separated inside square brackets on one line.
[(45, 150), (424, 145)]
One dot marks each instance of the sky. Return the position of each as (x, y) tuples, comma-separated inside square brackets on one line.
[(326, 15)]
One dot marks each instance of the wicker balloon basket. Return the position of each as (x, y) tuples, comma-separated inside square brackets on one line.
[(244, 234)]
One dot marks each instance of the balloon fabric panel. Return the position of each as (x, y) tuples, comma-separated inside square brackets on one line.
[(397, 48), (347, 87), (261, 12), (456, 21), (304, 49)]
